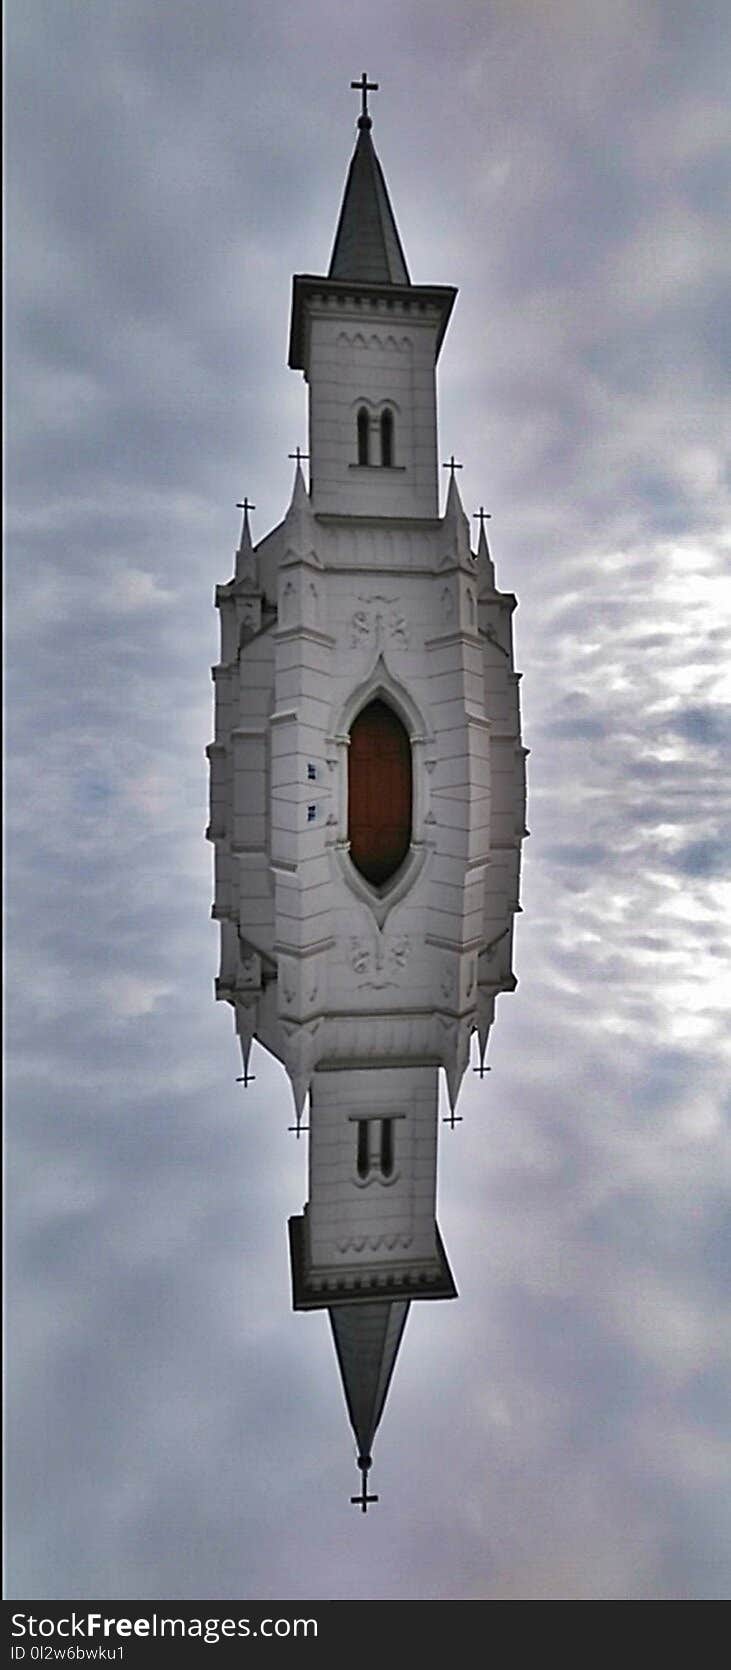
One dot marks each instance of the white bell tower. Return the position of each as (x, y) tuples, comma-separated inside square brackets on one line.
[(367, 792)]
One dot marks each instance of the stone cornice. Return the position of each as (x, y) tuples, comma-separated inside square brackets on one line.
[(400, 300), (284, 634), (458, 637)]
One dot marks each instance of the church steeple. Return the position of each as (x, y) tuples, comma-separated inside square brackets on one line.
[(367, 793), (367, 245), (368, 341), (367, 1338)]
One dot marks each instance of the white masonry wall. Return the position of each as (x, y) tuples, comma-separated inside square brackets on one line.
[(368, 609), (374, 991), (376, 354), (374, 1222)]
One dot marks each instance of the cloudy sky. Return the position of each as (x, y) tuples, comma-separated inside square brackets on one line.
[(562, 1429)]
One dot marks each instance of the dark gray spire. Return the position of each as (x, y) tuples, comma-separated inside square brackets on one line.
[(367, 245), (367, 1338)]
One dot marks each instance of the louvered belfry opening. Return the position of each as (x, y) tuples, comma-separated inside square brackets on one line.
[(379, 793)]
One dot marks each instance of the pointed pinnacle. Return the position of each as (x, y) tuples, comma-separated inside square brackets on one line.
[(245, 558), (456, 520), (300, 1088), (299, 499), (483, 554), (454, 505)]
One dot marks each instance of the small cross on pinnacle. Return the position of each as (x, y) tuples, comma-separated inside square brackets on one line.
[(298, 455), (482, 516), (452, 465), (482, 1070), (364, 87), (245, 505), (453, 1119), (362, 1501), (298, 1128), (247, 1077)]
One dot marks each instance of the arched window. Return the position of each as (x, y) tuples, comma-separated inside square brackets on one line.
[(379, 793), (374, 1149), (387, 437), (364, 425), (364, 1158), (386, 1147)]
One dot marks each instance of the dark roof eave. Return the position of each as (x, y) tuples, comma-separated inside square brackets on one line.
[(308, 284)]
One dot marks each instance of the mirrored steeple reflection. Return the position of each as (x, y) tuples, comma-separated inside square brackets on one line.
[(367, 794)]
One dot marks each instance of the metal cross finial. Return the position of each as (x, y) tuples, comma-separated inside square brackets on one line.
[(482, 1069), (363, 1500), (364, 87), (298, 1128), (298, 454), (482, 516), (245, 504), (247, 1077), (453, 1119), (452, 465)]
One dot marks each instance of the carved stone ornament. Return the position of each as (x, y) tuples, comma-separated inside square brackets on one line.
[(379, 965), (249, 969), (379, 619)]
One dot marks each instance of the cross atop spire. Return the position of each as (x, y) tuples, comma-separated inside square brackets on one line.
[(452, 1118), (364, 87), (452, 465), (299, 1127), (246, 505), (362, 1501), (245, 562)]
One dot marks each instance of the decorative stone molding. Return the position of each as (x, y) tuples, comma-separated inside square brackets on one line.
[(378, 963), (249, 969), (379, 621), (381, 683), (372, 1243)]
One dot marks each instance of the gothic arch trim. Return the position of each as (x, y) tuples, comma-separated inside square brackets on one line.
[(380, 681), (376, 406), (380, 684)]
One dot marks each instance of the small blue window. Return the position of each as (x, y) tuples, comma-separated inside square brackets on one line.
[(311, 773), (311, 814)]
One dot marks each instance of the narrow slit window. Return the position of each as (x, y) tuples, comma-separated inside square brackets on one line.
[(386, 1147), (387, 438), (363, 436), (363, 1159)]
